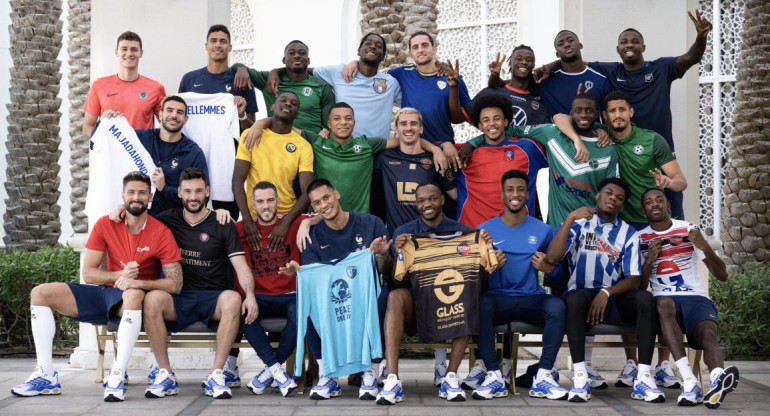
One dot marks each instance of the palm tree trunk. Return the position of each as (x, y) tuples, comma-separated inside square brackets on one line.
[(79, 51), (746, 219), (32, 216)]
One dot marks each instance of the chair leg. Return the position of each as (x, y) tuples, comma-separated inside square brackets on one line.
[(695, 357), (101, 341), (514, 360)]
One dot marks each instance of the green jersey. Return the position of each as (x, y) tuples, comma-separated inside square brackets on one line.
[(316, 98), (571, 184), (347, 166), (639, 153)]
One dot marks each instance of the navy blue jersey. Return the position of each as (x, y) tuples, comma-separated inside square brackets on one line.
[(429, 93), (559, 89), (527, 109), (649, 89), (331, 245), (204, 82), (401, 173)]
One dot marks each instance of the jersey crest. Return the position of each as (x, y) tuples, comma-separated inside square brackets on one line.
[(380, 85)]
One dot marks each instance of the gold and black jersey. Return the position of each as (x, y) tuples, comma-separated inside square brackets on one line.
[(446, 271)]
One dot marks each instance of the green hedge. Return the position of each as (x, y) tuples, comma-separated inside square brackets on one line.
[(20, 271), (744, 321)]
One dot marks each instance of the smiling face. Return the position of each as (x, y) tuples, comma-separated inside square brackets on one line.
[(265, 203), (522, 63), (286, 107), (296, 57), (408, 128), (341, 122), (326, 202), (610, 200), (136, 197), (174, 116), (515, 195), (583, 113), (568, 47), (492, 123), (655, 206), (218, 46), (128, 53), (193, 193), (631, 47), (372, 51), (421, 50), (429, 202)]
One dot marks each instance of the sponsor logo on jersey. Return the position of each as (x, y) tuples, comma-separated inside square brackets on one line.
[(532, 240), (307, 91), (448, 286), (593, 163), (141, 249), (291, 147), (463, 249), (380, 85), (535, 105), (427, 164), (649, 77), (638, 149), (143, 95), (449, 175), (519, 116), (174, 163), (441, 84), (400, 256), (352, 271), (357, 148), (196, 85), (111, 94), (508, 155), (204, 237), (340, 291)]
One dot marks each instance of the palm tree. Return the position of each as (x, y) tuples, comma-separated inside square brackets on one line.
[(746, 218), (396, 21), (79, 51), (32, 216)]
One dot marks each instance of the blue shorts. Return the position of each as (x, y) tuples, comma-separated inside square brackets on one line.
[(194, 305), (97, 305), (692, 310)]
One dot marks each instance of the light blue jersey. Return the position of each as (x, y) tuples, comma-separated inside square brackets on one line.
[(601, 252), (341, 300), (372, 98)]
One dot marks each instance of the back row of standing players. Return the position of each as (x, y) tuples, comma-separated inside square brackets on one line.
[(646, 158)]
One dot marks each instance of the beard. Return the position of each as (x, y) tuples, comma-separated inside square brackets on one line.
[(170, 130), (134, 210), (372, 62), (188, 203), (515, 211)]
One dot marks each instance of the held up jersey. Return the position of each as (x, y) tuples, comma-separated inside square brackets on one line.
[(341, 300), (446, 272)]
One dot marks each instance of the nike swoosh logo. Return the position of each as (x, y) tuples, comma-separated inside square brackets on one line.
[(620, 80), (498, 242), (323, 247), (326, 148), (197, 85), (110, 95)]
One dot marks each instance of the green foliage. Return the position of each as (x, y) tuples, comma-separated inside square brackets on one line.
[(20, 271), (744, 321)]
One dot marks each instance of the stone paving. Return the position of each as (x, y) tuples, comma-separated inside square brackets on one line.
[(82, 396)]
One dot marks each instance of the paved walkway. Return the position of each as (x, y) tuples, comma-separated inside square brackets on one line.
[(82, 396)]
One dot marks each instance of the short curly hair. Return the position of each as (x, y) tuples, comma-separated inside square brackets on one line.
[(491, 100)]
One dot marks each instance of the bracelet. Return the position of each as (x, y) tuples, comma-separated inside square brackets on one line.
[(244, 117), (606, 292)]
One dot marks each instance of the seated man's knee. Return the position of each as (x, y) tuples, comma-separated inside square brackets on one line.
[(133, 296), (666, 306), (555, 307), (230, 302), (398, 298), (575, 300), (155, 300), (39, 295), (486, 306)]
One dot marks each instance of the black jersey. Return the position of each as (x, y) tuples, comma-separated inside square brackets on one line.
[(206, 249)]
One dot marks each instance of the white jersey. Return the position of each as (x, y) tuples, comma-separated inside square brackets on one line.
[(675, 272), (213, 124), (116, 151)]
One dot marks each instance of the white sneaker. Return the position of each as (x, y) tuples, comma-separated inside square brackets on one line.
[(450, 388), (164, 385), (547, 387), (492, 388), (368, 390), (627, 376), (664, 376), (646, 389), (284, 381), (597, 381), (439, 371), (383, 376), (261, 382), (506, 371), (692, 394), (580, 392), (475, 377), (115, 387), (391, 392), (216, 386), (232, 376), (38, 383), (326, 388)]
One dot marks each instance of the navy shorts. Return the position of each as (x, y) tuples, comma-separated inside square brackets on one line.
[(692, 310), (195, 305), (97, 305)]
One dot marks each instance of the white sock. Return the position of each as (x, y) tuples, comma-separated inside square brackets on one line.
[(542, 372), (43, 330), (376, 369), (683, 364), (273, 367), (716, 372), (440, 354), (508, 362), (579, 367), (320, 367), (642, 368), (128, 332), (498, 374), (232, 362)]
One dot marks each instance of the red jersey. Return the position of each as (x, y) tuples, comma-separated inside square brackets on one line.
[(265, 263), (153, 247), (138, 100)]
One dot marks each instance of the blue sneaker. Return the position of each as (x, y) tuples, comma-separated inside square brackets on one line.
[(691, 393), (115, 387), (38, 383), (725, 383), (450, 388), (325, 389), (646, 389), (261, 382), (283, 381), (493, 387), (548, 388), (164, 385), (391, 392), (628, 375), (580, 392), (476, 376), (216, 387), (594, 379), (153, 373), (232, 377), (368, 390), (664, 376)]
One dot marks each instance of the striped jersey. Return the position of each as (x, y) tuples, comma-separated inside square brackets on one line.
[(600, 253), (446, 271), (675, 272)]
